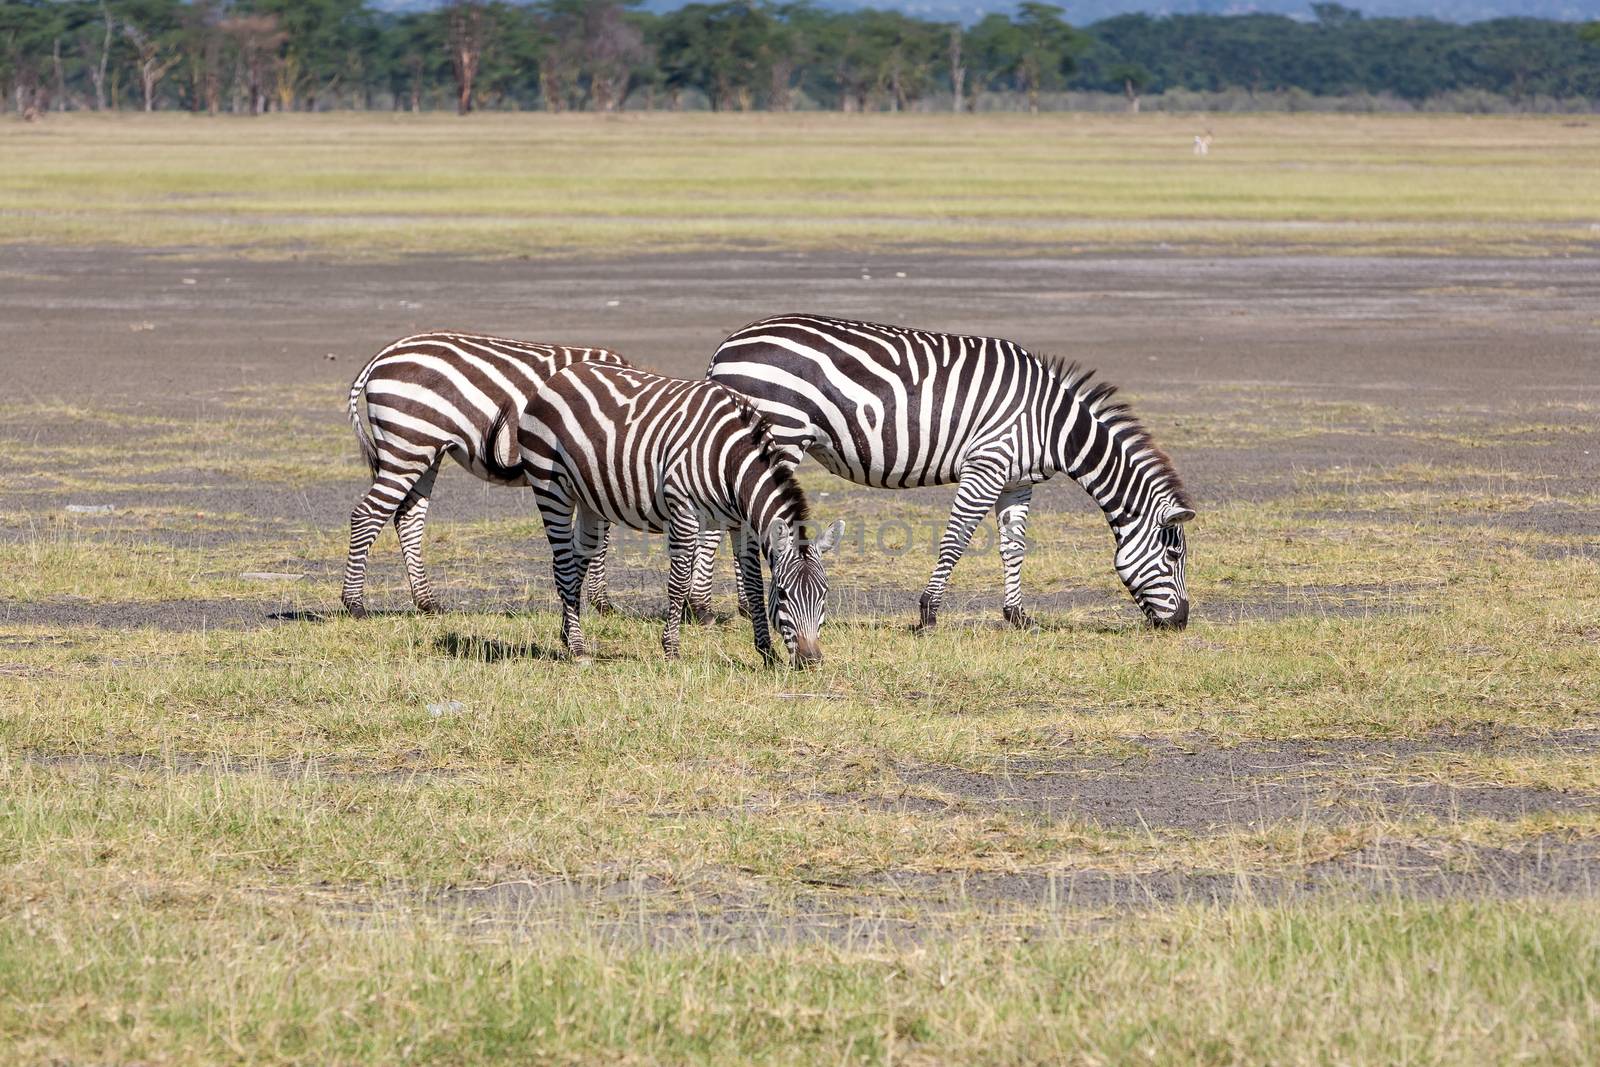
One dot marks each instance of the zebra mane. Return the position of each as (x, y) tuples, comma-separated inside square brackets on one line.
[(790, 494), (1099, 399)]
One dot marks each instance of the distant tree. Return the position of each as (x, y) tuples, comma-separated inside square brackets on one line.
[(18, 23), (416, 54), (94, 38), (613, 49), (152, 27), (721, 49), (958, 69), (256, 40), (594, 51), (1048, 47), (1335, 15), (995, 47), (787, 46), (1134, 78), (908, 51), (201, 41), (509, 71), (851, 54), (320, 46), (469, 24)]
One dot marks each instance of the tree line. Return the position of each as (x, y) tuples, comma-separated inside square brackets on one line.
[(252, 56)]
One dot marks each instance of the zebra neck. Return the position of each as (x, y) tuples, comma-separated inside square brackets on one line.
[(1098, 444), (772, 498)]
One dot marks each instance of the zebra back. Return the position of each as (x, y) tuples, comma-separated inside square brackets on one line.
[(442, 390)]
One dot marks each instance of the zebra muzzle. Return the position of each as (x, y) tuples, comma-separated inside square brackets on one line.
[(1175, 621), (807, 653)]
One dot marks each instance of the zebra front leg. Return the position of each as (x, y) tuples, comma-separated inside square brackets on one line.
[(595, 589), (979, 489), (409, 519), (1011, 513), (683, 540), (708, 541), (747, 558)]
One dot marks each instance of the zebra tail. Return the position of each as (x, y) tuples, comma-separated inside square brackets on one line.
[(369, 451), (501, 441)]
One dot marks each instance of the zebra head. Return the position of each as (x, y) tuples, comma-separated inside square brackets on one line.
[(1150, 561), (797, 599)]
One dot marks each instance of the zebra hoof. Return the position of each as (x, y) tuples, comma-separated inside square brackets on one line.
[(430, 607), (602, 607), (1019, 619), (583, 659), (356, 610), (929, 618), (702, 615), (744, 610)]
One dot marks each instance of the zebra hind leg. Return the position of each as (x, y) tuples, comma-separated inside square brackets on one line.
[(595, 589), (1011, 513), (683, 544), (569, 568), (979, 489), (368, 519), (409, 519), (739, 584), (708, 541)]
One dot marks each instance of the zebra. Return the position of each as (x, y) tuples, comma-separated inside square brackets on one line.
[(613, 444), (896, 407), (428, 395)]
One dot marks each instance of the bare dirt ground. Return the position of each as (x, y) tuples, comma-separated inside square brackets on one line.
[(1204, 346), (1262, 375)]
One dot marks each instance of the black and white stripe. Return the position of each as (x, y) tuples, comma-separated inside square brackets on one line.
[(896, 407), (430, 395), (692, 459)]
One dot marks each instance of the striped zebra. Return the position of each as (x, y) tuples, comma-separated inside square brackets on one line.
[(607, 444), (430, 395), (895, 407)]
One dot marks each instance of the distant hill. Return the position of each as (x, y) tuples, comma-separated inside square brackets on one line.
[(1082, 12)]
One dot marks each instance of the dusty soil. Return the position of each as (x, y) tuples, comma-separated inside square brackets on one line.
[(913, 906), (1199, 786)]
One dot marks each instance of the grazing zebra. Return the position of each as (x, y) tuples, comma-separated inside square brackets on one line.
[(895, 407), (606, 444), (428, 395)]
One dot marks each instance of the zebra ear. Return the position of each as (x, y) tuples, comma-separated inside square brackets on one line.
[(1174, 515), (778, 536), (830, 537)]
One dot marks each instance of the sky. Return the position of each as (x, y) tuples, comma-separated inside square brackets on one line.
[(1082, 12)]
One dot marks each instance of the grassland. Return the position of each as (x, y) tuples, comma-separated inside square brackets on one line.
[(534, 184), (1351, 815), (1336, 820)]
